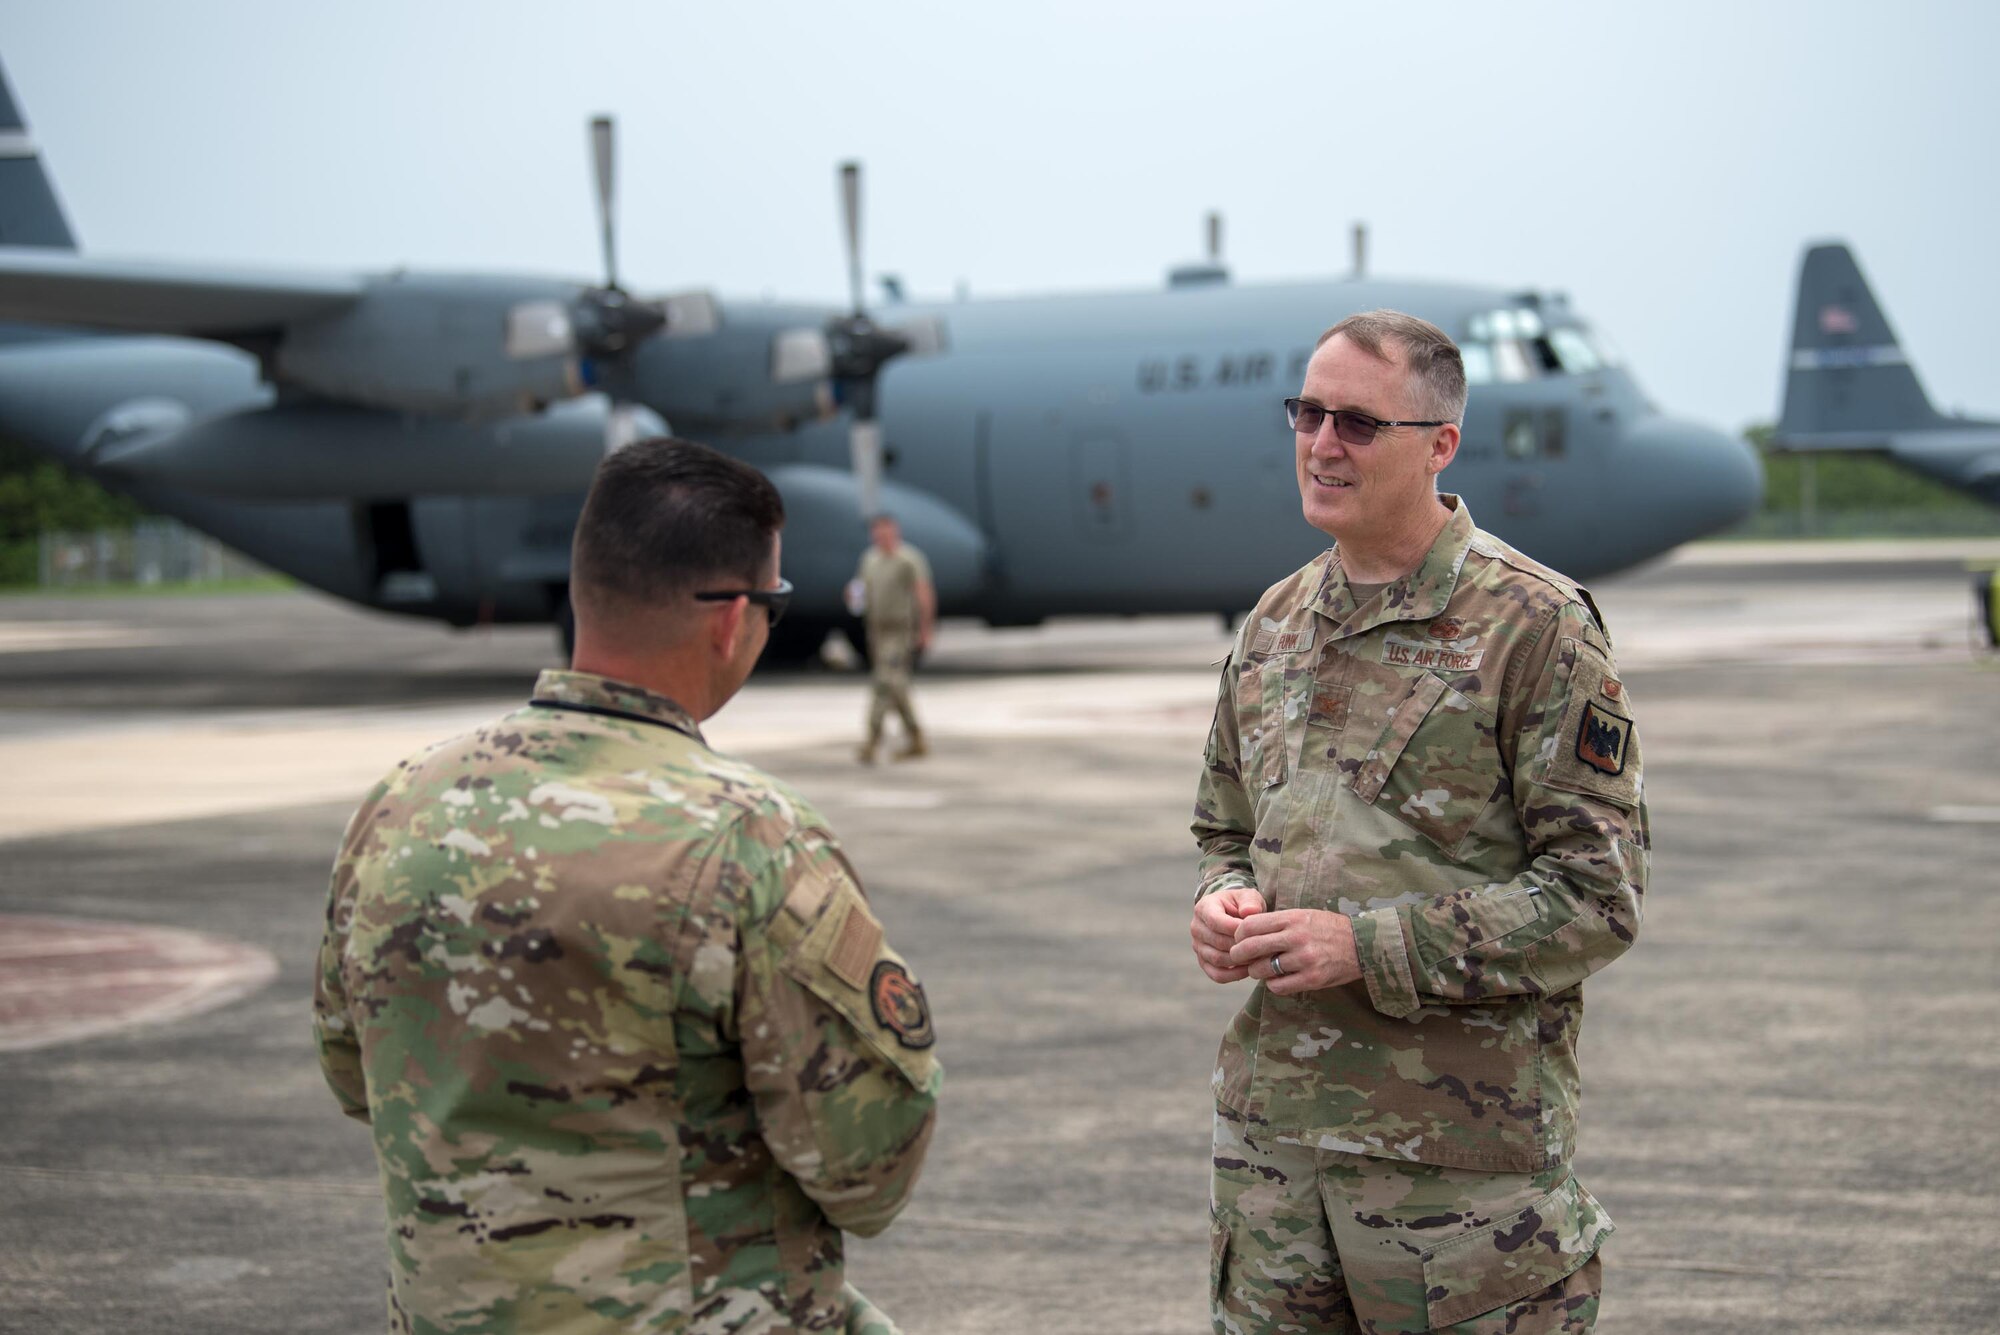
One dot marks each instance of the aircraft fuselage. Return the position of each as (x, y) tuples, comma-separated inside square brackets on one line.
[(1076, 454)]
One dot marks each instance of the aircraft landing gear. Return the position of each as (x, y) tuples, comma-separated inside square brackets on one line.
[(795, 643), (565, 622)]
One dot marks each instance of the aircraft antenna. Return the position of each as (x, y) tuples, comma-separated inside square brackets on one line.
[(600, 156)]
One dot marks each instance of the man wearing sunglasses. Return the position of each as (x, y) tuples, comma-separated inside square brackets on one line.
[(630, 1040), (1422, 826)]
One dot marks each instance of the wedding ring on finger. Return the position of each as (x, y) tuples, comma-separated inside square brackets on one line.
[(1276, 967)]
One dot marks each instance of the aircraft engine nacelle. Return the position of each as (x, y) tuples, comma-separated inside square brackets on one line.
[(332, 452), (727, 383), (440, 345)]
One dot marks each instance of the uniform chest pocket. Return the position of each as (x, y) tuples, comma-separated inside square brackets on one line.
[(1272, 690), (1437, 766)]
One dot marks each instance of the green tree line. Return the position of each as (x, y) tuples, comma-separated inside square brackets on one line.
[(39, 496), (1857, 495)]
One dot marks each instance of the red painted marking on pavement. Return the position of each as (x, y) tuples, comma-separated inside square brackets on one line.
[(62, 979)]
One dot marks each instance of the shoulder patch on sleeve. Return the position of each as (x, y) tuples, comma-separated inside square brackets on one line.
[(856, 942), (1603, 739), (845, 960), (900, 1005), (1596, 749)]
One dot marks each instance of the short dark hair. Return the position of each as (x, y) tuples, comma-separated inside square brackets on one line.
[(1432, 359), (666, 515)]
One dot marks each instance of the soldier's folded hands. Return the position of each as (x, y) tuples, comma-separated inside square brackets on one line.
[(1313, 949)]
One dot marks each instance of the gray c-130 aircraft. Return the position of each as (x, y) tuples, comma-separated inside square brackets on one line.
[(420, 443)]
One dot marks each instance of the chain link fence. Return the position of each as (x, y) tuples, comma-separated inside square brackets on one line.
[(153, 551)]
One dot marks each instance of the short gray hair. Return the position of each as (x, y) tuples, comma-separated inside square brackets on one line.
[(1436, 369)]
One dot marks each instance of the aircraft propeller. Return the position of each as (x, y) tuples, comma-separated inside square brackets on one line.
[(602, 327), (852, 349)]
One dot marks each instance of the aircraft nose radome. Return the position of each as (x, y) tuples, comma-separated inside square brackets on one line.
[(1688, 479)]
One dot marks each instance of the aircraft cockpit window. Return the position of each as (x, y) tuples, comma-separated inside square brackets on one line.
[(1505, 324), (1514, 344), (1478, 359), (1510, 344), (1511, 362), (1574, 350)]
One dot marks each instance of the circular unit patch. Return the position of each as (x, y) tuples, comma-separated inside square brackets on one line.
[(900, 1005)]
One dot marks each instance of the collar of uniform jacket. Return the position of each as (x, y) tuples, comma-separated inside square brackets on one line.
[(1417, 596), (593, 694)]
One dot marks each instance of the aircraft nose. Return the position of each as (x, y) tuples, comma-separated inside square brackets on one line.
[(1688, 480)]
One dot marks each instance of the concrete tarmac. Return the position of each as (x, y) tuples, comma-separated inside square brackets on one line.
[(1790, 1080)]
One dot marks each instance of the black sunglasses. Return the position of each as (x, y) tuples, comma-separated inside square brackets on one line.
[(1353, 428), (773, 601)]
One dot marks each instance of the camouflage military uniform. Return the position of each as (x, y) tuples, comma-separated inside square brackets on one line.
[(889, 583), (1454, 766), (631, 1044)]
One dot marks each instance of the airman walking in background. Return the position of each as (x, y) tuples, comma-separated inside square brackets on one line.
[(899, 609), (631, 1042)]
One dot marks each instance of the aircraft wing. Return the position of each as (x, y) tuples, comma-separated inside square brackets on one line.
[(40, 286), (1959, 436)]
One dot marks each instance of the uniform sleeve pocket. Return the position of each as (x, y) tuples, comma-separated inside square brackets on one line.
[(1467, 919), (1514, 1256), (844, 960)]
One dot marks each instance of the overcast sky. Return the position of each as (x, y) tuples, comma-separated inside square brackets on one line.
[(1661, 163)]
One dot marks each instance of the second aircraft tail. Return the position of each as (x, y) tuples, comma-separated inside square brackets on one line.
[(1848, 384), (30, 214)]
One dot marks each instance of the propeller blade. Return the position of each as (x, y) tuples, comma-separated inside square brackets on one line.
[(864, 446), (600, 156), (850, 215)]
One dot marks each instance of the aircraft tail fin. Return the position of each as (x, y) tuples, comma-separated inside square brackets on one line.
[(1848, 384), (30, 213)]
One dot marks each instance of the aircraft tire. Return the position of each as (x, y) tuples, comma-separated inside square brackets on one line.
[(795, 643), (565, 622)]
